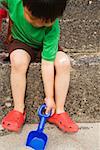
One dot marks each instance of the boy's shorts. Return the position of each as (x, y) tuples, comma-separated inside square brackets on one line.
[(34, 53)]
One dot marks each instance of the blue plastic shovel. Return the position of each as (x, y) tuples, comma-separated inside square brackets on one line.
[(37, 139)]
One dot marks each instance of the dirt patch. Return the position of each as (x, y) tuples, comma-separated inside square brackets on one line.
[(80, 25)]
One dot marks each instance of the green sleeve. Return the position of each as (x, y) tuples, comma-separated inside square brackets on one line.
[(50, 43)]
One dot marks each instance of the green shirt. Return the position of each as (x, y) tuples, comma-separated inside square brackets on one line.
[(47, 37)]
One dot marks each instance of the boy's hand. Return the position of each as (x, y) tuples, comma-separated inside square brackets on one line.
[(50, 105)]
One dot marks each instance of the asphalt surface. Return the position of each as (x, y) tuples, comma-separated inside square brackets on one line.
[(88, 138)]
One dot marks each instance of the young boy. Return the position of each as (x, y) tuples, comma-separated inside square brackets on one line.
[(35, 26)]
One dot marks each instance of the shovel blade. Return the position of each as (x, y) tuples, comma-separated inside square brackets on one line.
[(37, 140)]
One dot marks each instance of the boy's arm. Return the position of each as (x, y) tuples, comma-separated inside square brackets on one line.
[(50, 48), (48, 80), (48, 76)]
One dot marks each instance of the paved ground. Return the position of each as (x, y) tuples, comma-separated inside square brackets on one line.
[(88, 138)]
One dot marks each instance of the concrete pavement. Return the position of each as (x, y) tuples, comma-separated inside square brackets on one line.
[(88, 138)]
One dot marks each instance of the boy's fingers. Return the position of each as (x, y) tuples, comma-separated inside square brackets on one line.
[(47, 110), (53, 111)]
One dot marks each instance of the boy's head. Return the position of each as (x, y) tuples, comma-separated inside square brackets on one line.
[(43, 12)]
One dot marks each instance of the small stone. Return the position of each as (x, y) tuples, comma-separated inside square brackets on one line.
[(8, 104), (95, 32), (90, 2)]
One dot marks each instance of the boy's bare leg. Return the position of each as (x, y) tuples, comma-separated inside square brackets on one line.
[(61, 118), (20, 60), (62, 78)]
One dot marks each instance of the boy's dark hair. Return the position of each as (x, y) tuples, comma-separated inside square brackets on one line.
[(46, 9)]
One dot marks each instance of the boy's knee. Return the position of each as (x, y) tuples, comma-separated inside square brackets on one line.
[(17, 63), (62, 60)]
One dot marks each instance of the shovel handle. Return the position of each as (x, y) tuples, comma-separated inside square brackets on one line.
[(42, 107), (43, 117)]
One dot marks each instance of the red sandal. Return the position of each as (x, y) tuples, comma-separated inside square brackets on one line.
[(64, 122), (14, 120)]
